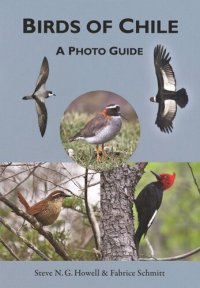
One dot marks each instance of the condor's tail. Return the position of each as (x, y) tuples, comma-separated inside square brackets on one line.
[(181, 98)]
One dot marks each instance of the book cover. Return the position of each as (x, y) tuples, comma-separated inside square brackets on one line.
[(99, 161)]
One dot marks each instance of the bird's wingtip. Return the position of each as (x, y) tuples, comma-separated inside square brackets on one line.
[(42, 133), (25, 98)]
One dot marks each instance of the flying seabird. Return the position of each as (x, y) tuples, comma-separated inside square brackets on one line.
[(39, 95)]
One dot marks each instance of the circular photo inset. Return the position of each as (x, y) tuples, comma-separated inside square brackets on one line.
[(100, 130)]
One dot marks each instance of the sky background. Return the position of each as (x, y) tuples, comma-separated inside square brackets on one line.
[(132, 77)]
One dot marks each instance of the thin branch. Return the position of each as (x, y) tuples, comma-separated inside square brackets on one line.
[(9, 249), (28, 243), (182, 256), (193, 176), (6, 178), (21, 182), (13, 164), (72, 177), (141, 166), (59, 250), (46, 180), (94, 184), (150, 247), (90, 214), (56, 185), (178, 257), (4, 167), (76, 210)]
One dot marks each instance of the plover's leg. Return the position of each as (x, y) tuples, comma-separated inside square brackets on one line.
[(97, 151), (103, 153)]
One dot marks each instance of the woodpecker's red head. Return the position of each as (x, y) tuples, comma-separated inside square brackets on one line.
[(166, 179)]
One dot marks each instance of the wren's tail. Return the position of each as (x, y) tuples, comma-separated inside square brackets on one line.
[(27, 97), (23, 201), (181, 98)]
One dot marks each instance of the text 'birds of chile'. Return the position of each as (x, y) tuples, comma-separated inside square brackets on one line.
[(39, 95), (167, 96)]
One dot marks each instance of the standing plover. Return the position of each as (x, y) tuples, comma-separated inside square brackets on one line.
[(102, 128)]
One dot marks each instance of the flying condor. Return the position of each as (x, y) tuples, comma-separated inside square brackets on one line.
[(167, 96)]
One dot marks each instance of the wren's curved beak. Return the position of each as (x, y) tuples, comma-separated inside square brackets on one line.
[(156, 175), (67, 195), (63, 194)]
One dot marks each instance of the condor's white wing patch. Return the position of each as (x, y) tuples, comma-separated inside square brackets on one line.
[(164, 71), (170, 110), (168, 78)]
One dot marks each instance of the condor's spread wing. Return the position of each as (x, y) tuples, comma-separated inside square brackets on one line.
[(166, 114), (164, 72)]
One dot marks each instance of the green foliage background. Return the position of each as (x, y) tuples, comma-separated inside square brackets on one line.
[(59, 230), (176, 228)]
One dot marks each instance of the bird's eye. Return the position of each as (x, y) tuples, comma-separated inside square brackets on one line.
[(165, 177)]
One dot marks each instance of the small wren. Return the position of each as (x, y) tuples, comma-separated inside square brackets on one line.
[(47, 210)]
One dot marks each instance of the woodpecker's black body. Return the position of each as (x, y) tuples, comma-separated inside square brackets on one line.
[(148, 202), (167, 97)]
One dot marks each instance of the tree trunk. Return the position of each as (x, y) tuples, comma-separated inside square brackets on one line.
[(116, 220)]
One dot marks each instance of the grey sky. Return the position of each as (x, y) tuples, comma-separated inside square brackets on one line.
[(132, 77)]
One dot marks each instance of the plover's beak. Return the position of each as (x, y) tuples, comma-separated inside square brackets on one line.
[(54, 94), (156, 175), (123, 116)]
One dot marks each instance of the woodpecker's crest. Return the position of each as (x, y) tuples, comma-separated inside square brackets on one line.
[(166, 179)]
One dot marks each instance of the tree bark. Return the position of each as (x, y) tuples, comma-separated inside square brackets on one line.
[(116, 220)]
